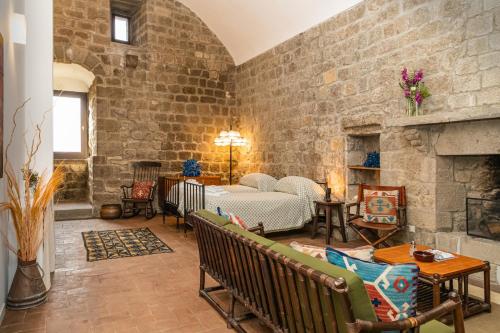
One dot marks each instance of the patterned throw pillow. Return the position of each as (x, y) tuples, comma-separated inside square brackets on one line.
[(234, 219), (381, 206), (362, 252), (391, 288), (313, 251), (141, 190)]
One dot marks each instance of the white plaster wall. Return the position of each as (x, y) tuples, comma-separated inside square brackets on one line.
[(38, 87), (27, 73)]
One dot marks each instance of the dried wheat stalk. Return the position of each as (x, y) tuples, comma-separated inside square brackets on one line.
[(26, 204)]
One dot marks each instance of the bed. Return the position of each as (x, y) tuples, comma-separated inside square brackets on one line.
[(289, 206), (170, 191)]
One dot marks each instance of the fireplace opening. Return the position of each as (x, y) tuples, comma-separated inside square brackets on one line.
[(483, 208)]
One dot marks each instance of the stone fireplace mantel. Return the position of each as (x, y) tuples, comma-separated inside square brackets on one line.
[(443, 118)]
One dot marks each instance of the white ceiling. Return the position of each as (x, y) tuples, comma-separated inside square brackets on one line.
[(249, 27)]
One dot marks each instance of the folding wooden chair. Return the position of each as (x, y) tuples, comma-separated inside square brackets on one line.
[(359, 225)]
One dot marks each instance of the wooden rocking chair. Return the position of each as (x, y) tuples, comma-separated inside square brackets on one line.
[(142, 190), (357, 223)]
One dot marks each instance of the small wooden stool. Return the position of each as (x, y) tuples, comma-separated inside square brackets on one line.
[(328, 224)]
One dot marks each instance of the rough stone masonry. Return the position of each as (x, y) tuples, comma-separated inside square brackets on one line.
[(161, 98)]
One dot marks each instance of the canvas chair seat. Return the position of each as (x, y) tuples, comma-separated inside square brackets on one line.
[(370, 225)]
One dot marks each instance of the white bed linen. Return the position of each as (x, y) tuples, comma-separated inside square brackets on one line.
[(239, 189)]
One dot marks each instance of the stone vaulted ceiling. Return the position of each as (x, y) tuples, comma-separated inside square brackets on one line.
[(248, 28)]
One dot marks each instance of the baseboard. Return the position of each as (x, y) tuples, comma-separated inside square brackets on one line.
[(2, 312)]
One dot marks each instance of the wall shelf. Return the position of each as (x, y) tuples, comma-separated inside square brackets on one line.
[(360, 167), (357, 147)]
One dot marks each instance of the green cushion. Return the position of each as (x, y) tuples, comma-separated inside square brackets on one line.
[(361, 303), (250, 235), (212, 217), (435, 326)]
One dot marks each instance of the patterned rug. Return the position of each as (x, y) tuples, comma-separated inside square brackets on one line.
[(122, 243)]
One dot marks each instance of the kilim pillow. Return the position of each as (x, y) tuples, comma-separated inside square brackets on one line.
[(141, 190), (381, 206), (361, 252), (392, 288), (313, 251), (234, 219)]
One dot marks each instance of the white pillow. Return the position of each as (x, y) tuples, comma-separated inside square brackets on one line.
[(303, 187), (260, 181)]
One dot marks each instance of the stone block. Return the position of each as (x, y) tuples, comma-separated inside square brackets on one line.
[(455, 139), (462, 100), (490, 4), (489, 60), (467, 65), (131, 60), (477, 46), (450, 197), (494, 41), (491, 77), (488, 96), (464, 83), (330, 76), (480, 25)]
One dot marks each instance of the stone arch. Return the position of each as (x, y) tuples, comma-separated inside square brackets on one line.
[(72, 77)]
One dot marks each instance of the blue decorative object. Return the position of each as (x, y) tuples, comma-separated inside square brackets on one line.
[(191, 168), (372, 160)]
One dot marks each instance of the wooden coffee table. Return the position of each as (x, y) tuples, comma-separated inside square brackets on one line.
[(432, 289)]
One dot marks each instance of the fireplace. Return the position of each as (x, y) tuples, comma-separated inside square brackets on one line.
[(450, 165), (483, 208), (483, 218)]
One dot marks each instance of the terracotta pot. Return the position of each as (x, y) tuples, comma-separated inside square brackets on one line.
[(27, 290), (111, 211)]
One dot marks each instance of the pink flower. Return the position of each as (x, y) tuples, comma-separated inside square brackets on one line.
[(418, 98), (404, 74), (407, 93), (418, 76)]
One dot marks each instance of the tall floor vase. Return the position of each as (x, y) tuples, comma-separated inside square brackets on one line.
[(27, 290)]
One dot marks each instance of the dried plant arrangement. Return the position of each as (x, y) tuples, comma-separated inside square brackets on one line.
[(28, 201)]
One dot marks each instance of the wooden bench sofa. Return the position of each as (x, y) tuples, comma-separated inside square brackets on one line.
[(292, 292)]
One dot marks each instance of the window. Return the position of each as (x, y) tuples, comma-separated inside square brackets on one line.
[(120, 29), (70, 125)]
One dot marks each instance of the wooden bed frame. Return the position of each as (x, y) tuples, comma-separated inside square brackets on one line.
[(169, 198)]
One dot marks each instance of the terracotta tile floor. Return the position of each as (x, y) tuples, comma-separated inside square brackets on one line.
[(156, 293)]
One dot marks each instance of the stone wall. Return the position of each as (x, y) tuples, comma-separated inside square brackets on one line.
[(162, 98), (299, 101), (75, 187)]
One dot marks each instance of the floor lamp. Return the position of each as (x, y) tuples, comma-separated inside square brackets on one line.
[(232, 139)]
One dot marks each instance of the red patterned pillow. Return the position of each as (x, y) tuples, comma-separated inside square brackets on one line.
[(381, 206), (141, 190)]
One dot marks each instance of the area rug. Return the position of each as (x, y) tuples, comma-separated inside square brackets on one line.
[(122, 243)]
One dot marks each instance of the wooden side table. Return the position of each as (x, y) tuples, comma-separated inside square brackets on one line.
[(328, 207), (432, 289)]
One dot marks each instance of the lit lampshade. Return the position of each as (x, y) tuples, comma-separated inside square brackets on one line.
[(227, 138), (18, 28)]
